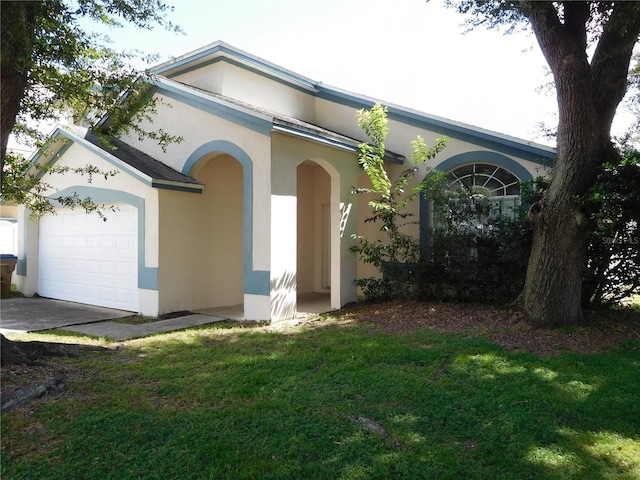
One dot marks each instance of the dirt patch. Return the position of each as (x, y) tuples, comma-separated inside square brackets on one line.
[(602, 330)]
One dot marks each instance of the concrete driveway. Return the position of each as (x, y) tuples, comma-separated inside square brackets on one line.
[(31, 314)]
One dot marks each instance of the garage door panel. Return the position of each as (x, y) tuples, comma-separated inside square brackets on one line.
[(87, 260)]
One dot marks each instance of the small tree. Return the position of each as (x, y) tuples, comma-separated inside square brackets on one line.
[(394, 255)]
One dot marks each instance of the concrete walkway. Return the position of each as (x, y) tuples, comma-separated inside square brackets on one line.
[(123, 331), (33, 314)]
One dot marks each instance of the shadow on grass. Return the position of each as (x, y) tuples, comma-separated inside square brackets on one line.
[(250, 404)]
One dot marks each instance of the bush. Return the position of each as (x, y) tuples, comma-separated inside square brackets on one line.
[(478, 250), (612, 272), (479, 247)]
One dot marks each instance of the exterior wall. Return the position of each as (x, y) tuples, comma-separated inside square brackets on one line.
[(343, 171), (26, 273), (247, 140), (103, 191), (199, 124), (459, 151), (201, 240), (209, 78), (253, 88)]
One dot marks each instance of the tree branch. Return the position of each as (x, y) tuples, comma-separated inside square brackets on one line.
[(576, 16), (611, 59)]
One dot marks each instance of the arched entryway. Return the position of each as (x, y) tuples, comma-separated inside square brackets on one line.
[(314, 231), (217, 256)]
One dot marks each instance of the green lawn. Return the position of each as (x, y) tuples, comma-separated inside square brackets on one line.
[(249, 403)]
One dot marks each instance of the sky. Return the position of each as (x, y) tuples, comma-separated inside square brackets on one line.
[(411, 53)]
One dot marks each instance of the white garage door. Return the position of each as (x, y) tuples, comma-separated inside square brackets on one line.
[(87, 260)]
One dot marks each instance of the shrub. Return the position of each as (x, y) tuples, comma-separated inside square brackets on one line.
[(478, 249), (612, 272)]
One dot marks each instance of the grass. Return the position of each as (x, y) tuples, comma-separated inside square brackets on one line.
[(224, 403)]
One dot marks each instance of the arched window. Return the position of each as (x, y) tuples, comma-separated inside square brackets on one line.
[(486, 179), (495, 183), (492, 175)]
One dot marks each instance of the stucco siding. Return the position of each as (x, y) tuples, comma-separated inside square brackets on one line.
[(209, 78), (314, 194), (202, 240), (248, 86), (343, 170), (196, 126)]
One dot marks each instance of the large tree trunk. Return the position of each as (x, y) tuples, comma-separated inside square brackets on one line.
[(19, 19), (552, 291), (588, 94)]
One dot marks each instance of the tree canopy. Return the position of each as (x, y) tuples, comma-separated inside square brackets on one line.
[(53, 65), (588, 47)]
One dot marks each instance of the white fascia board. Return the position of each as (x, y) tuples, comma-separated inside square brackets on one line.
[(180, 186)]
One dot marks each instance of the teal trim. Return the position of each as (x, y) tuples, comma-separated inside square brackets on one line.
[(483, 138), (9, 219), (488, 157), (59, 132), (450, 163), (147, 276), (234, 115), (256, 282)]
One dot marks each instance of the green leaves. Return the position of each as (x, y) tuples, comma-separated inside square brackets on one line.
[(389, 207), (53, 67), (23, 184)]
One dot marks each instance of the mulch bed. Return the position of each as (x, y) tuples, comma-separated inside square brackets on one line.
[(602, 330)]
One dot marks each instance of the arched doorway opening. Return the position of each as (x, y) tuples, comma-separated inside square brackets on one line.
[(217, 256), (314, 250)]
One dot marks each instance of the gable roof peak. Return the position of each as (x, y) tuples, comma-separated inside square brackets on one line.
[(222, 50)]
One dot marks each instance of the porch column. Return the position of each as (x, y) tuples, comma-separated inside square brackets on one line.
[(284, 205), (344, 206)]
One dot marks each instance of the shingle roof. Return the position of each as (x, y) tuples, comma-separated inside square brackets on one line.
[(290, 124), (142, 162)]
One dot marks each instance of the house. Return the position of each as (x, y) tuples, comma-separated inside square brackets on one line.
[(254, 207)]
